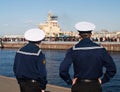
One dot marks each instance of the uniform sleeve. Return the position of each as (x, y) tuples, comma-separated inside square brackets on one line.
[(110, 67), (42, 72), (14, 65), (64, 68)]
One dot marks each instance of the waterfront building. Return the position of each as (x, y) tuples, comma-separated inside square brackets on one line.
[(13, 38), (106, 36)]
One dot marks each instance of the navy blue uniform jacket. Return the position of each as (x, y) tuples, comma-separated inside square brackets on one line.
[(30, 64), (88, 59)]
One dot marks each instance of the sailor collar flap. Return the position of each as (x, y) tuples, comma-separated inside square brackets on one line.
[(29, 53)]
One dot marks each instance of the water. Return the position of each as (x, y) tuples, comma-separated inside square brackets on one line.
[(54, 58)]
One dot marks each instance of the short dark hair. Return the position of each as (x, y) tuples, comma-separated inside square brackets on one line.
[(35, 42), (89, 31), (85, 34)]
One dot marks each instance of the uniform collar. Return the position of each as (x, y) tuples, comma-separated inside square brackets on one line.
[(86, 44)]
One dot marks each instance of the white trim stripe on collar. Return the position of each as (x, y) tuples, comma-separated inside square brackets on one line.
[(28, 53), (87, 48)]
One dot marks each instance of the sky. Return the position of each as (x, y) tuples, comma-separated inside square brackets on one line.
[(17, 16)]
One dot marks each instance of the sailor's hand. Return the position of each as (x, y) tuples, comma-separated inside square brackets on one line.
[(100, 81), (74, 81), (43, 90)]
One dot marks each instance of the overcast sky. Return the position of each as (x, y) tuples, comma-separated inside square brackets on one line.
[(17, 16)]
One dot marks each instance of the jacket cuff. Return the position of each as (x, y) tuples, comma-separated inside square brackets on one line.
[(69, 82)]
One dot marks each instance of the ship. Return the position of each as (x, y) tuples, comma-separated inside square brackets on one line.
[(51, 26), (52, 29)]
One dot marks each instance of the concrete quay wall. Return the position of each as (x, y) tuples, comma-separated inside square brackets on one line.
[(8, 84), (110, 46)]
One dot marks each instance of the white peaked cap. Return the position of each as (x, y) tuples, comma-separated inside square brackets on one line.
[(85, 26), (34, 34)]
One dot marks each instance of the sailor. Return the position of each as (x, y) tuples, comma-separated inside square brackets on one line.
[(30, 63), (88, 59)]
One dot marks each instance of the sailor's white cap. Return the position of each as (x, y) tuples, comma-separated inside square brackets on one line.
[(34, 35), (85, 26)]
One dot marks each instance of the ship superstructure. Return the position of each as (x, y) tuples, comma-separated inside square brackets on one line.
[(51, 26)]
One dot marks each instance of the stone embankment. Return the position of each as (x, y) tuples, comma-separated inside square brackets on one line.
[(110, 46)]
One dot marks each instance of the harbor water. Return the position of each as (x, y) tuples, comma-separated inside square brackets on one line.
[(54, 58)]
